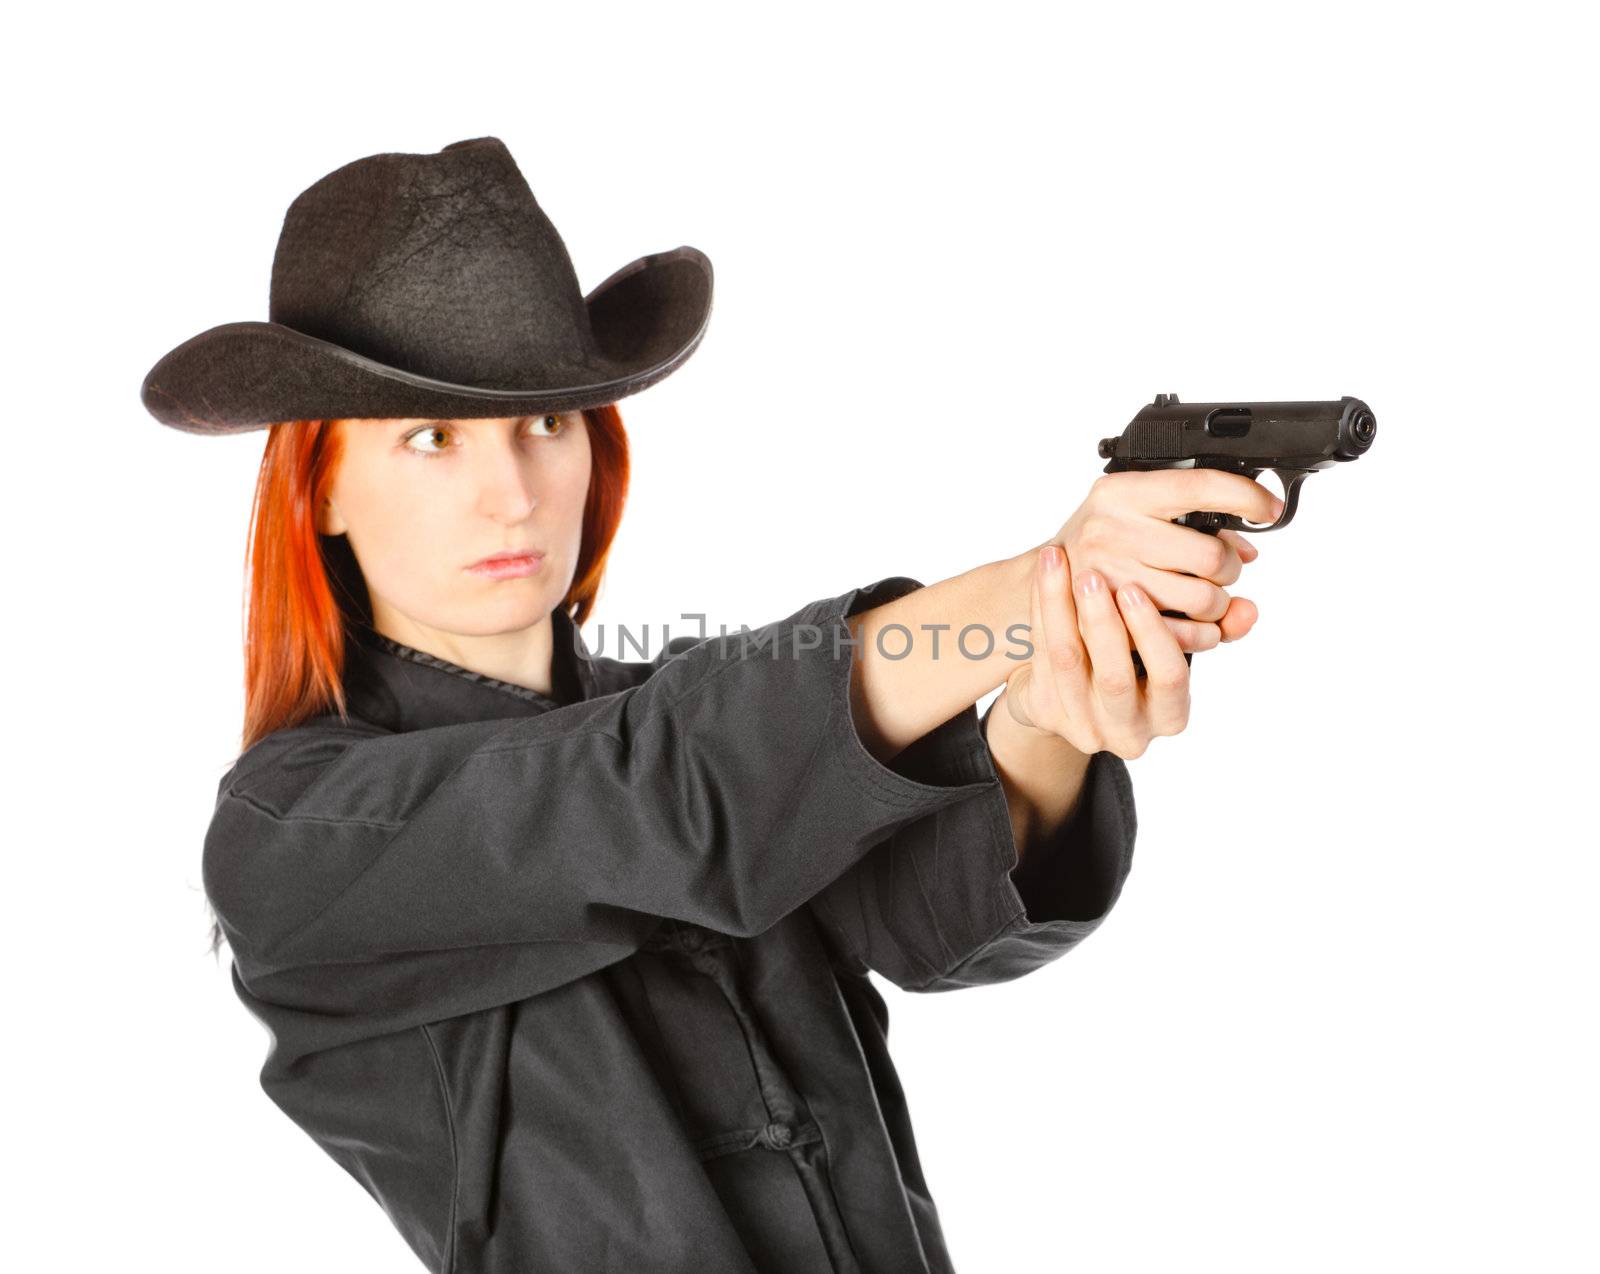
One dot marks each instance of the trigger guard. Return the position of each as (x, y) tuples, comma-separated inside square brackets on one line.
[(1291, 479)]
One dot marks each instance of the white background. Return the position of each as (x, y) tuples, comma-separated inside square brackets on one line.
[(1344, 1014)]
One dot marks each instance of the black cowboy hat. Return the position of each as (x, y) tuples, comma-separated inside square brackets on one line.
[(432, 286)]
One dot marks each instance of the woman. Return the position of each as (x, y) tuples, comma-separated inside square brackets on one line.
[(563, 957)]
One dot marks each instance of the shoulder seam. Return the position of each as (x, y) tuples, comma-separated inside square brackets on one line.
[(279, 817)]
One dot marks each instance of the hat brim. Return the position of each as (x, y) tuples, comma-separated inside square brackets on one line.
[(646, 318)]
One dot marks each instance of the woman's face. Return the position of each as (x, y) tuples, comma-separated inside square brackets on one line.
[(423, 501)]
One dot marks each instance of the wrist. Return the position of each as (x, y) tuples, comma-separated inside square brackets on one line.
[(1022, 737), (1041, 772)]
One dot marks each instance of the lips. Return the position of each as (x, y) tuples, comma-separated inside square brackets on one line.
[(506, 555), (508, 565)]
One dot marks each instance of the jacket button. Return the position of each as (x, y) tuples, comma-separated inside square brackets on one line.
[(778, 1135)]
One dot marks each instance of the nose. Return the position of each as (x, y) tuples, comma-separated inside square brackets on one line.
[(506, 482)]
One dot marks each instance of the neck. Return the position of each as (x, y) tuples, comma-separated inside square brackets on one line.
[(523, 657)]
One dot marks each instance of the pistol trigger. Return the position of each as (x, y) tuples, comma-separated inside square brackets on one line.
[(1291, 479)]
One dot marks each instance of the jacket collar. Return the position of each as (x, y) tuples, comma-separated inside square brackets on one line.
[(399, 687)]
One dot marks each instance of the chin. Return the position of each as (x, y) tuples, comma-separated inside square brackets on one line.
[(512, 611)]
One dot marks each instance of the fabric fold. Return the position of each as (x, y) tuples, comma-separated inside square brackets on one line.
[(369, 881), (943, 902)]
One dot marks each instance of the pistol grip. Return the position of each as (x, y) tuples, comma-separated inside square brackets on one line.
[(1210, 522)]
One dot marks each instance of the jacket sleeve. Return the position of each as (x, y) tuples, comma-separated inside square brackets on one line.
[(942, 903), (368, 881)]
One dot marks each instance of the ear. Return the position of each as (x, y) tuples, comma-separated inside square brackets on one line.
[(328, 520)]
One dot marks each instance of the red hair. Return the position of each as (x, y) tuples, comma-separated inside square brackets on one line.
[(299, 602), (304, 588)]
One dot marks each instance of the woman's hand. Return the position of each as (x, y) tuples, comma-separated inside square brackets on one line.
[(1124, 531), (1079, 682)]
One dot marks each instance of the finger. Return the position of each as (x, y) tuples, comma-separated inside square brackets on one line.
[(1049, 581), (1243, 545), (1190, 596), (1065, 663), (1239, 620), (1115, 685), (1165, 546), (1170, 493), (1192, 634), (1166, 686)]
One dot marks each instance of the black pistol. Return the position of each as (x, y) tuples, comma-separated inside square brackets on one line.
[(1294, 440)]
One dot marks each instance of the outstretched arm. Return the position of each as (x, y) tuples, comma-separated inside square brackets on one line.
[(947, 902), (1077, 695)]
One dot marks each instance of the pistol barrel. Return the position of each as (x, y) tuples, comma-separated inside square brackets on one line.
[(1243, 436)]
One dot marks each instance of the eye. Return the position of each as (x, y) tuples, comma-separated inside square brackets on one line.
[(548, 425), (433, 434)]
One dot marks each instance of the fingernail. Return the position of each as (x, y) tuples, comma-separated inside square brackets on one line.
[(1091, 583), (1052, 558), (1131, 596)]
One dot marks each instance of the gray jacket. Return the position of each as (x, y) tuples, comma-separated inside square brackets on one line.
[(579, 983)]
